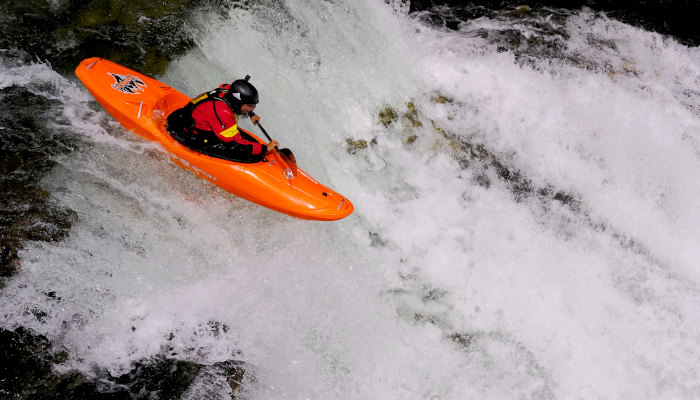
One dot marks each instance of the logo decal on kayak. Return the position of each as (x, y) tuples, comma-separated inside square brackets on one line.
[(128, 83), (289, 174)]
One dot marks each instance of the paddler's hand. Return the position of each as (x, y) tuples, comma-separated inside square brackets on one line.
[(272, 145), (254, 118)]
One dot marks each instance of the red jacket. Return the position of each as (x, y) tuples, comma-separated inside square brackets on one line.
[(217, 116)]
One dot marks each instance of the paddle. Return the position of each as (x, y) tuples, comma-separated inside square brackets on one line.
[(286, 154)]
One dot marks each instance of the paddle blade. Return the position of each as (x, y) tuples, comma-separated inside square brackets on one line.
[(289, 158)]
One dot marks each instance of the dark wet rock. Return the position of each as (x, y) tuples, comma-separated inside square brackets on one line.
[(677, 18), (26, 148), (235, 372), (27, 372), (141, 34), (9, 262), (23, 357), (410, 118), (169, 378), (412, 115), (389, 115)]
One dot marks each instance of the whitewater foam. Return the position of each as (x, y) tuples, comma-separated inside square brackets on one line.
[(448, 282)]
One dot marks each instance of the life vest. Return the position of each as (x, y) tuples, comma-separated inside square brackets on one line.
[(218, 94), (182, 125)]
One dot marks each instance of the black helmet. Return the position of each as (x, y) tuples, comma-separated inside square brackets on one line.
[(242, 92)]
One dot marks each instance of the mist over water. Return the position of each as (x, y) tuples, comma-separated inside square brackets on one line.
[(526, 221)]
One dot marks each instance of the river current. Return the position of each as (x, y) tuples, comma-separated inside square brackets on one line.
[(526, 220)]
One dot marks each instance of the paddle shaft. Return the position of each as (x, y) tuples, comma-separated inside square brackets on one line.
[(264, 131), (261, 127), (286, 154)]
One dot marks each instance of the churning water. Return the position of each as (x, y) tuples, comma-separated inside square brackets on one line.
[(526, 219)]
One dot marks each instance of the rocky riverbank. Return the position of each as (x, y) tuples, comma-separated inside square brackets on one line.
[(143, 35), (677, 18)]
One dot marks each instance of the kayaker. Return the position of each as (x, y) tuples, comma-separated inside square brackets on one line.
[(209, 123)]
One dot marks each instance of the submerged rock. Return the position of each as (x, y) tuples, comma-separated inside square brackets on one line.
[(353, 145), (27, 372), (388, 115)]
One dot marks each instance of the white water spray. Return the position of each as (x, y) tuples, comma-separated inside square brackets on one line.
[(438, 286)]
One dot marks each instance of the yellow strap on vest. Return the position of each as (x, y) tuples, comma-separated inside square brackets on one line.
[(230, 132), (199, 98)]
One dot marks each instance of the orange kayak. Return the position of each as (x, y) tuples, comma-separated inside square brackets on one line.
[(142, 104)]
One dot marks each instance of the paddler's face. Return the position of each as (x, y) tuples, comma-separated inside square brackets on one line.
[(246, 108)]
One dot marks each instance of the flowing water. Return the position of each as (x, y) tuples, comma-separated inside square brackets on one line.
[(526, 219)]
